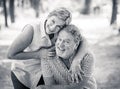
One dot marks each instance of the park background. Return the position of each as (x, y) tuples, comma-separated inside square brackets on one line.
[(99, 21)]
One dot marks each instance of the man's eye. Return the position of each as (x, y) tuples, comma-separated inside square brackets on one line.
[(67, 42), (53, 21)]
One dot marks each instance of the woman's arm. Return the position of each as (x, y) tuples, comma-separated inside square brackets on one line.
[(81, 51), (75, 68), (87, 64), (16, 50)]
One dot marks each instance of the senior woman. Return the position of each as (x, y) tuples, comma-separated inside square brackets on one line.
[(56, 71)]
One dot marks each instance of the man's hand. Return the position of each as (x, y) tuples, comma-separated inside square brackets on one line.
[(76, 72)]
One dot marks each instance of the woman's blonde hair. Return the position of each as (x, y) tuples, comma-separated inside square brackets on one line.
[(62, 13)]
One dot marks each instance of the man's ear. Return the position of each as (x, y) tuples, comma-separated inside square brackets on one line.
[(76, 46), (68, 21)]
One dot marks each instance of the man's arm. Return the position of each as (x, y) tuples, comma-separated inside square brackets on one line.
[(81, 85), (72, 86)]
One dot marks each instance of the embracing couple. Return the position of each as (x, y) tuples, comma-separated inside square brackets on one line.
[(53, 50)]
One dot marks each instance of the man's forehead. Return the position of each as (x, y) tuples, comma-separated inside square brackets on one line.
[(64, 34)]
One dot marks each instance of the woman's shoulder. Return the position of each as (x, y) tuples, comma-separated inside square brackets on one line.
[(33, 28)]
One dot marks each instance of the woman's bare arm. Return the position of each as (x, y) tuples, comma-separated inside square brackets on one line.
[(16, 50)]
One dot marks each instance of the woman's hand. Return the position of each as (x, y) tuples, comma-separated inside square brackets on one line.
[(76, 72), (46, 53)]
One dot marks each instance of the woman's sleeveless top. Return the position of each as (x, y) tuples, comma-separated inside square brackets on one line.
[(28, 71)]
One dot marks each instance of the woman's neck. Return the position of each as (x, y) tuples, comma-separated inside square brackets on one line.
[(53, 38)]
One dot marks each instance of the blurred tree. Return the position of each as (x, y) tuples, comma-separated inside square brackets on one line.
[(5, 12), (36, 6), (0, 3), (114, 12), (11, 9), (22, 3), (86, 9)]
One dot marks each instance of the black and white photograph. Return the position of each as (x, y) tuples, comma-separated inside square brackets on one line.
[(59, 44)]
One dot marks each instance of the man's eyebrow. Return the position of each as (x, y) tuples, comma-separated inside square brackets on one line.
[(67, 39)]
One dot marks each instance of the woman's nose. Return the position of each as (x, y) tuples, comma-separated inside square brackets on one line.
[(52, 23), (52, 27)]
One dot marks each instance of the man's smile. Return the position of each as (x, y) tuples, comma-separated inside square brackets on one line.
[(61, 49)]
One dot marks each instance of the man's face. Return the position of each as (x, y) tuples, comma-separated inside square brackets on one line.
[(65, 45), (54, 24)]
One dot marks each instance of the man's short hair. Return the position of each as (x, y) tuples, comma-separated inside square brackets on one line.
[(75, 32)]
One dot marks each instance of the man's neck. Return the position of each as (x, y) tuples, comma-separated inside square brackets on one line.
[(66, 62)]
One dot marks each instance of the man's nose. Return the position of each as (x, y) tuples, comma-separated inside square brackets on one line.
[(61, 44)]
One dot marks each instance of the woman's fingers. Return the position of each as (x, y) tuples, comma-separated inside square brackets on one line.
[(51, 51), (52, 48), (70, 78), (51, 54), (79, 77), (76, 78), (73, 78), (81, 71)]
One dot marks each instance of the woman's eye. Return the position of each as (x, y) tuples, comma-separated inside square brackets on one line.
[(59, 39), (60, 26), (57, 28)]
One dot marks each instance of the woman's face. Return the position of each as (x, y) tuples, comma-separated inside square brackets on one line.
[(54, 24), (65, 45)]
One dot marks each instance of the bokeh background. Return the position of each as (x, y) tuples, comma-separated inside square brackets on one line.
[(99, 21)]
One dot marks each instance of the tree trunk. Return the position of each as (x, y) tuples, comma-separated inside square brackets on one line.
[(36, 6), (11, 8), (5, 12), (114, 12), (86, 9)]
